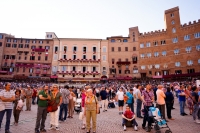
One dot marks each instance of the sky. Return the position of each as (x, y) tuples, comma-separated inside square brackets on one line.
[(89, 18)]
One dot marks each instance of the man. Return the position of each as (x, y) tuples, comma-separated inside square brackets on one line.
[(104, 100), (42, 109), (148, 99), (129, 116), (161, 100), (139, 101), (130, 100), (28, 95), (195, 98), (65, 101), (7, 97), (182, 98), (120, 97), (34, 95)]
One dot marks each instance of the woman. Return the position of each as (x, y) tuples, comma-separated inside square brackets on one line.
[(57, 97), (83, 96), (189, 98), (91, 110), (17, 110), (169, 102), (71, 103)]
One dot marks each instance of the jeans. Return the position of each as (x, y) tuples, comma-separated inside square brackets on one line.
[(146, 117), (169, 106), (131, 106), (63, 107), (8, 117), (138, 109), (195, 111), (41, 117), (182, 106), (133, 122), (33, 100)]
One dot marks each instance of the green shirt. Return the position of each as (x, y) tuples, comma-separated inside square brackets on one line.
[(42, 103)]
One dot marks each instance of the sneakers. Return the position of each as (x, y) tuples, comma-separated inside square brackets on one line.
[(135, 128), (197, 121), (57, 128), (51, 127), (124, 128)]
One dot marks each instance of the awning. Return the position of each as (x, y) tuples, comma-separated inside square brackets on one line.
[(157, 77), (54, 76), (3, 71)]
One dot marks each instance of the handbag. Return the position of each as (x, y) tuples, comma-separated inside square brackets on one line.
[(52, 106), (80, 116), (96, 105), (2, 107)]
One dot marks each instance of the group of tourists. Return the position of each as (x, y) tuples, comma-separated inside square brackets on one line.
[(133, 101)]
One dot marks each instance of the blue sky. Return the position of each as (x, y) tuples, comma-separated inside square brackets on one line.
[(89, 18)]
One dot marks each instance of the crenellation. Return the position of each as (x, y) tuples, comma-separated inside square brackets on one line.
[(194, 22)]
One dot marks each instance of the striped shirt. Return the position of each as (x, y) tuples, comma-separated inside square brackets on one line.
[(7, 94)]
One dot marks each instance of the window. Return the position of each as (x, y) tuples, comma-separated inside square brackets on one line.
[(84, 56), (148, 44), (39, 57), (120, 71), (63, 68), (188, 49), (198, 61), (64, 56), (134, 59), (125, 40), (56, 49), (164, 53), (156, 54), (20, 46), (150, 66), (32, 57), (31, 70), (74, 57), (55, 57), (187, 37), (163, 42), (155, 43), (172, 14), (118, 40), (40, 42), (104, 57), (65, 48), (33, 47), (74, 49), (189, 62), (126, 48), (119, 49), (141, 45), (104, 49), (46, 58), (112, 40), (34, 41), (8, 44), (175, 40), (1, 36), (93, 69), (14, 40), (25, 58), (197, 35), (94, 49), (113, 49), (148, 55), (84, 69), (157, 66), (178, 71), (173, 22), (27, 41), (84, 49), (0, 44), (113, 61), (14, 45), (12, 57), (135, 70), (142, 55), (198, 47), (40, 47), (73, 68), (26, 46), (177, 64), (94, 57), (134, 48), (8, 40), (143, 67), (176, 51), (190, 70), (104, 68), (173, 30)]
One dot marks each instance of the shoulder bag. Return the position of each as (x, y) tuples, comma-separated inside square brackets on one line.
[(96, 104)]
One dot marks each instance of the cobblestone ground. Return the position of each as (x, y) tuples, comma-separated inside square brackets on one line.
[(108, 122)]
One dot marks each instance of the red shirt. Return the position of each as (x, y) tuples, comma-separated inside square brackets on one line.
[(83, 99), (128, 114), (34, 93)]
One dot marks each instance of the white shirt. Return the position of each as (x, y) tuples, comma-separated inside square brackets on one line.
[(137, 92), (134, 90), (120, 95)]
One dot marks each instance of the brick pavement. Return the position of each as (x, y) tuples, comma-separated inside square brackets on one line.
[(108, 122)]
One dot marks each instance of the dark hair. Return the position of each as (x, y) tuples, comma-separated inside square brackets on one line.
[(168, 89), (66, 87), (131, 89), (138, 86), (6, 83), (194, 88), (17, 90)]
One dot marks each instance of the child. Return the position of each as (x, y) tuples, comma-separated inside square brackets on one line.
[(129, 116)]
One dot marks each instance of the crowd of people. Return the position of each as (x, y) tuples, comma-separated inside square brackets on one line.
[(60, 101)]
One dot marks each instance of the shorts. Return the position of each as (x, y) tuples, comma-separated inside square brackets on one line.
[(120, 103)]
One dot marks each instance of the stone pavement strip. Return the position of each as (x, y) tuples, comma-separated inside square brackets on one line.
[(107, 122)]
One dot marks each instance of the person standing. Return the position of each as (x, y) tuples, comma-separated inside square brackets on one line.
[(182, 98), (139, 101), (161, 100), (83, 96), (104, 99), (120, 97), (57, 97), (28, 95), (43, 98), (130, 100), (34, 95), (195, 98), (169, 102), (7, 97), (65, 101), (71, 103)]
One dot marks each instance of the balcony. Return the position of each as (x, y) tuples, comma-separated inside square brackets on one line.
[(37, 65), (123, 63), (39, 49), (24, 65)]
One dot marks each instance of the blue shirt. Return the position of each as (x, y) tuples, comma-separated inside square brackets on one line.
[(103, 95), (181, 98), (130, 97)]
